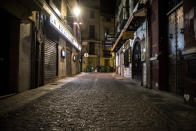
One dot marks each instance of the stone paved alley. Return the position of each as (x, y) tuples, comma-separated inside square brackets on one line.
[(100, 102)]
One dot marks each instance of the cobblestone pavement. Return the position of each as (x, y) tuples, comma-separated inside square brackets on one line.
[(102, 102)]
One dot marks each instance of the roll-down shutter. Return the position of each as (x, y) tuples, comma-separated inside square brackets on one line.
[(50, 59)]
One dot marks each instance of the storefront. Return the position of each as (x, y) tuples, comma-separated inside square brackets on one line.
[(58, 47)]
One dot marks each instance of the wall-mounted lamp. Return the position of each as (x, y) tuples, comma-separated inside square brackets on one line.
[(63, 53), (76, 11), (74, 58), (80, 60), (76, 23)]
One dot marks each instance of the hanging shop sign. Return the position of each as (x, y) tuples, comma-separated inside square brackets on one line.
[(64, 31), (128, 35)]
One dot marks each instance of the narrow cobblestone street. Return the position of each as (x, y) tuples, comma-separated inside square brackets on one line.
[(101, 102)]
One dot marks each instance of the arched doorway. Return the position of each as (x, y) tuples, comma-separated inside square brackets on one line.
[(137, 64)]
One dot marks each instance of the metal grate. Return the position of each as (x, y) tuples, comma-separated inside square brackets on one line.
[(50, 59)]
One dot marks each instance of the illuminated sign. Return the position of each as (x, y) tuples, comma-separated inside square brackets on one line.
[(64, 31)]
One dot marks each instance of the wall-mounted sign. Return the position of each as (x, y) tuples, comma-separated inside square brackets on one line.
[(64, 31), (63, 53)]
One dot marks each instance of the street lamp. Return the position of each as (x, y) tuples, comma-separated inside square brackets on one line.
[(76, 11), (76, 23)]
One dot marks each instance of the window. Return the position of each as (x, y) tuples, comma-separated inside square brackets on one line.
[(92, 14), (107, 53), (108, 19), (107, 62), (92, 31), (91, 48)]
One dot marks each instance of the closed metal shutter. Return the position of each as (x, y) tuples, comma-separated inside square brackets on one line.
[(50, 59)]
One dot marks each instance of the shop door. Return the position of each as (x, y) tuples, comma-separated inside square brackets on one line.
[(5, 53), (137, 64), (176, 45), (9, 53), (50, 60), (68, 62)]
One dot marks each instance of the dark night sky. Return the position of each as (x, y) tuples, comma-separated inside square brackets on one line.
[(108, 6)]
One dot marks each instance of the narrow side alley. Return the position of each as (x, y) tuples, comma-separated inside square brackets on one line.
[(95, 101)]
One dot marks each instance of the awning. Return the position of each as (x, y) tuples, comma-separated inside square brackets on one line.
[(132, 24)]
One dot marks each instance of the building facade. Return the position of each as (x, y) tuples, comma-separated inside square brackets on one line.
[(41, 43), (131, 40), (155, 44), (97, 38)]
